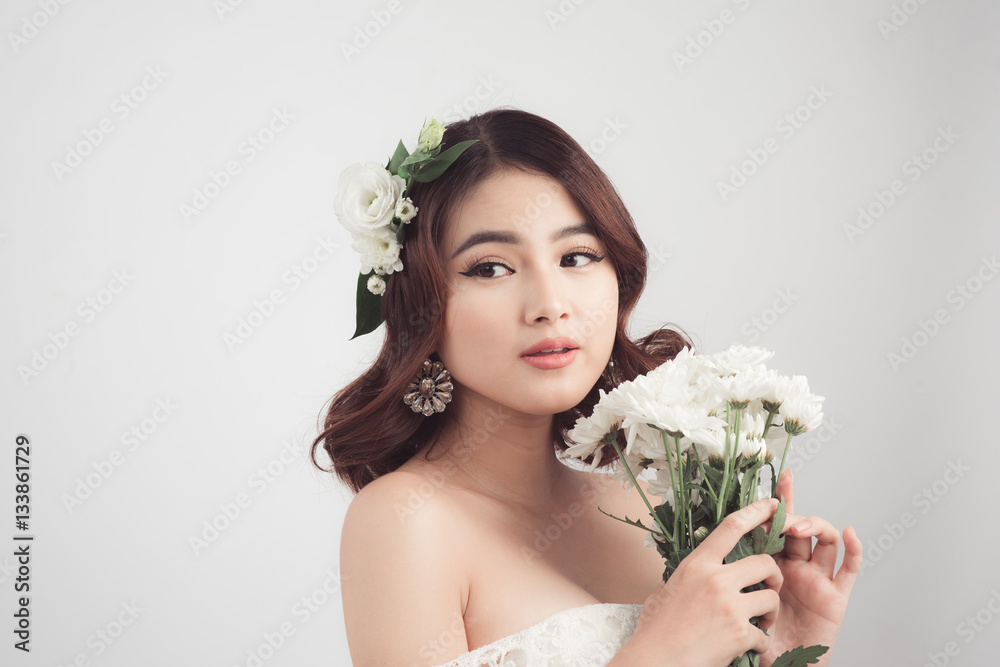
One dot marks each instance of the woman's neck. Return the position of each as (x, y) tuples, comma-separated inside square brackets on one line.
[(501, 453)]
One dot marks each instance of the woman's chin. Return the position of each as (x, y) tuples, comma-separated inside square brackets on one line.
[(547, 405)]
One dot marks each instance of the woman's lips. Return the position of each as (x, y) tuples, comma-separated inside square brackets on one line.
[(551, 353), (547, 360)]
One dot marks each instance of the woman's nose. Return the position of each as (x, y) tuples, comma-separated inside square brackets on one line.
[(547, 298)]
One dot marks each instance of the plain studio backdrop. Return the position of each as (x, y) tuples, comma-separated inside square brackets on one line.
[(178, 297)]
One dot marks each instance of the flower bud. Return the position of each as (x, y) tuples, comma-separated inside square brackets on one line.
[(430, 136), (376, 285)]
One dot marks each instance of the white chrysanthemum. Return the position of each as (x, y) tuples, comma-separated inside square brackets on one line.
[(366, 197), (752, 423), (654, 402), (740, 358), (745, 386), (713, 444), (643, 440), (801, 413), (751, 445), (664, 399), (619, 473), (778, 388), (676, 373), (405, 210), (797, 386), (661, 485), (588, 433), (379, 251)]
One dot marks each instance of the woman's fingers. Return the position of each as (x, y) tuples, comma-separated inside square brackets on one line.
[(754, 569), (797, 547), (849, 569), (763, 604), (824, 553), (721, 541)]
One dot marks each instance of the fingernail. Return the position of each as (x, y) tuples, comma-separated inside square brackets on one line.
[(802, 526)]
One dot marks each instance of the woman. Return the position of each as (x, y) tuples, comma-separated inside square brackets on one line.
[(469, 540)]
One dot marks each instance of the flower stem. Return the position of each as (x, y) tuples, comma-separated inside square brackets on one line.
[(736, 436), (727, 467), (673, 482), (621, 457), (767, 424), (685, 525), (708, 486), (783, 455)]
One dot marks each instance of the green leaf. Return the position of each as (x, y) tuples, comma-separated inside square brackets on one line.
[(800, 657), (666, 515), (741, 550), (369, 307), (703, 515), (435, 167), (774, 482), (404, 172), (397, 158), (713, 476), (631, 522), (672, 561), (416, 158), (401, 233), (775, 541)]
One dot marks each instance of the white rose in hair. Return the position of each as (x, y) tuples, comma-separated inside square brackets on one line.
[(366, 197)]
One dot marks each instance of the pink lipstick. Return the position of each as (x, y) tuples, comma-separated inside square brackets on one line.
[(551, 353)]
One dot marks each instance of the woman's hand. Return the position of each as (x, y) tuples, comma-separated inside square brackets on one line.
[(700, 617), (813, 600)]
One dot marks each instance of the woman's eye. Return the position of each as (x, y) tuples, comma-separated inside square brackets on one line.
[(487, 270), (576, 259)]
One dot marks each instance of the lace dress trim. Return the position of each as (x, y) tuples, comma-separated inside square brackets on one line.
[(587, 636)]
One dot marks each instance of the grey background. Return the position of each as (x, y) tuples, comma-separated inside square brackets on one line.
[(666, 133)]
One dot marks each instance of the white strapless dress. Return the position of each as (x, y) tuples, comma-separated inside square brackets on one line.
[(587, 636)]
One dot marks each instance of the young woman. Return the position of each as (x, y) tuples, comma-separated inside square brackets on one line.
[(470, 541)]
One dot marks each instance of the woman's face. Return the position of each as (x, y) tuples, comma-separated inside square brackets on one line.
[(533, 305)]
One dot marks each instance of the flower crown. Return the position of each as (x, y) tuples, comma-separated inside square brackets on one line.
[(372, 204)]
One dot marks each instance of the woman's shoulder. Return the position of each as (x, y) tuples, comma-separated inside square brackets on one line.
[(403, 565), (411, 500)]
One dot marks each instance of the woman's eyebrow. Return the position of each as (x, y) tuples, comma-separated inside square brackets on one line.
[(512, 238)]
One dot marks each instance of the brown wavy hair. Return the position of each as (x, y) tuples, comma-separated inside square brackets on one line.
[(368, 431)]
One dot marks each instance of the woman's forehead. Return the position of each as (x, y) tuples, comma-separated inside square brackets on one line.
[(512, 201)]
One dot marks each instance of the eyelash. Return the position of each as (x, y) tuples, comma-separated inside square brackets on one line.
[(480, 262)]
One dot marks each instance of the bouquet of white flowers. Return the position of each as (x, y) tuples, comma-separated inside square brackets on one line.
[(704, 428)]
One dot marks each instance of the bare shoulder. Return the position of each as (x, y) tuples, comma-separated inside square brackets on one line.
[(402, 568)]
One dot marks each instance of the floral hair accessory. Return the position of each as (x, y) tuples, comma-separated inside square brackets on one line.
[(372, 204)]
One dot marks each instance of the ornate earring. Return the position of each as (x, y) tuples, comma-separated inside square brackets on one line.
[(430, 390)]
